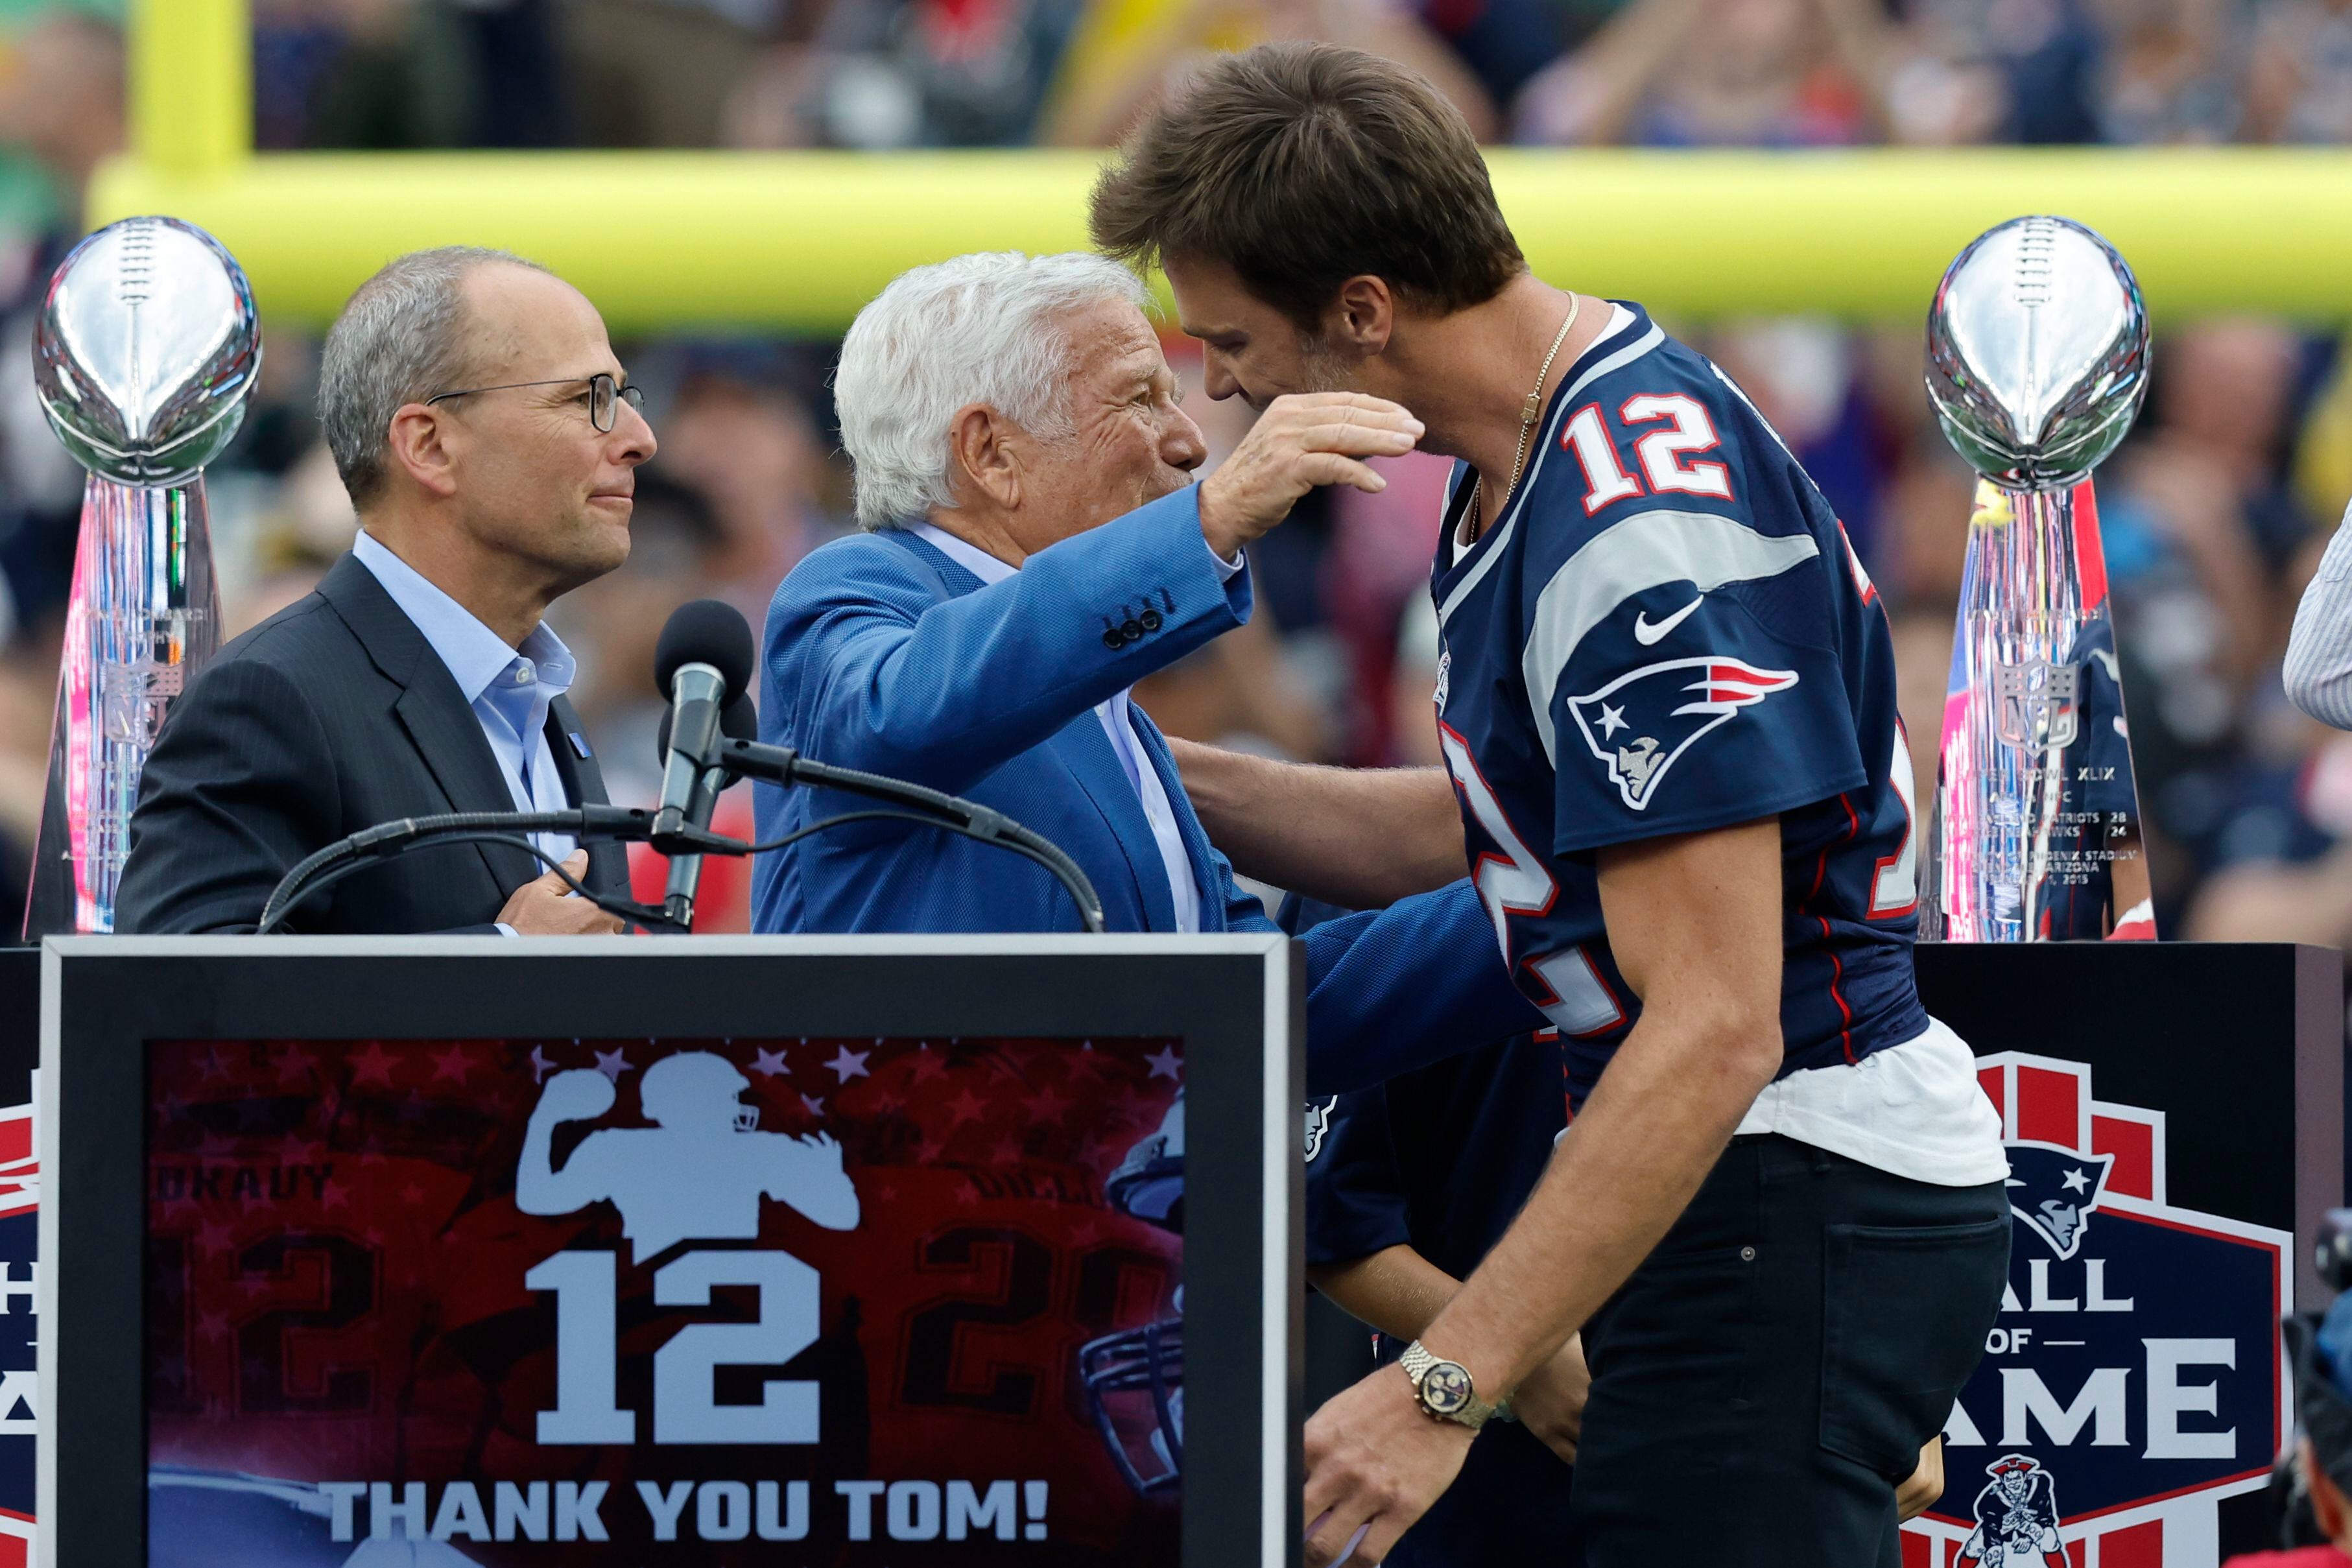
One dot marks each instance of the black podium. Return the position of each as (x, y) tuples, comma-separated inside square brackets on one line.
[(2175, 1119), (639, 1253)]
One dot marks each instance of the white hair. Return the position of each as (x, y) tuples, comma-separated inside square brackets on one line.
[(986, 328)]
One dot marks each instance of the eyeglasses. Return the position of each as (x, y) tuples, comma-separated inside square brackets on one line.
[(604, 395)]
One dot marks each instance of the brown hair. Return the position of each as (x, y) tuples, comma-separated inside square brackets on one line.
[(1302, 165)]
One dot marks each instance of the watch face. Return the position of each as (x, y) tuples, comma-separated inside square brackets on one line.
[(1444, 1388)]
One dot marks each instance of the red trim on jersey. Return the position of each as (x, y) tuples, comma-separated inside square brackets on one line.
[(1837, 976)]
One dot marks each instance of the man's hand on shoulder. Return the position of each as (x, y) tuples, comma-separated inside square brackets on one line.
[(544, 906), (1302, 440)]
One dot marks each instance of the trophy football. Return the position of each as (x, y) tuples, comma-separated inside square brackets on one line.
[(2037, 364), (146, 350)]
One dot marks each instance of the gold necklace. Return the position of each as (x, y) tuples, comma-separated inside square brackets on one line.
[(1529, 412)]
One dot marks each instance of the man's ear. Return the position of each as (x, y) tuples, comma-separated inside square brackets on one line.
[(417, 444), (982, 444), (1362, 317)]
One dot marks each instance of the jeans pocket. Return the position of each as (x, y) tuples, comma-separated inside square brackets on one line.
[(1904, 1318)]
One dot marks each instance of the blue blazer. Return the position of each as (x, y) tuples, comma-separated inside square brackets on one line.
[(883, 654)]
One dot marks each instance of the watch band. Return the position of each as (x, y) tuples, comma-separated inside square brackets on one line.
[(1444, 1388)]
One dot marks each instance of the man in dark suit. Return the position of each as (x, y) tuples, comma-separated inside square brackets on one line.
[(488, 439)]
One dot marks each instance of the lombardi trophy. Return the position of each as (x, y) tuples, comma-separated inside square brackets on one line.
[(2037, 364), (146, 350)]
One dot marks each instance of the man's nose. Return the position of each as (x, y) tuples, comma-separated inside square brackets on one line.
[(635, 434), (1217, 378), (1182, 443)]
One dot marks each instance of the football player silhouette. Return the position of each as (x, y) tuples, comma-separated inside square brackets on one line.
[(697, 1174)]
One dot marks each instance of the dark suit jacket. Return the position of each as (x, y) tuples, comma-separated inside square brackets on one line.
[(331, 716)]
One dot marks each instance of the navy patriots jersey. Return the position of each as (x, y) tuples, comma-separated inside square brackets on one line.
[(1667, 632)]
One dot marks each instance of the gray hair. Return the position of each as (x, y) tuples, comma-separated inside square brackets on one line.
[(401, 339), (983, 328)]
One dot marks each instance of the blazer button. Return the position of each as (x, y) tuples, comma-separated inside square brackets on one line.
[(1132, 630), (1114, 639), (1151, 619)]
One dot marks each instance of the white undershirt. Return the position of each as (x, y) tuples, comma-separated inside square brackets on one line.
[(1183, 890)]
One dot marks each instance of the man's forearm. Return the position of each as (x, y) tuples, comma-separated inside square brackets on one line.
[(1628, 1167), (1360, 837), (1395, 1290)]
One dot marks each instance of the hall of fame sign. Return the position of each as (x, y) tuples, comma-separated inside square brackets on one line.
[(2134, 1378)]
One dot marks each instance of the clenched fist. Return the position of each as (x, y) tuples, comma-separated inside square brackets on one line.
[(575, 1095), (1301, 440), (546, 905)]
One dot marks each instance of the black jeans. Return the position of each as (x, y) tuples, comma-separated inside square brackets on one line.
[(1767, 1375)]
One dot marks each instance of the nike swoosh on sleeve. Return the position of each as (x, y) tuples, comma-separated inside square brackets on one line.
[(1647, 631)]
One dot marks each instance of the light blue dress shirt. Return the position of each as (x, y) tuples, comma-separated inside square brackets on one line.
[(509, 691), (1183, 890)]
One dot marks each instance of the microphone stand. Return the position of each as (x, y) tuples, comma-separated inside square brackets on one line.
[(386, 840), (736, 759), (784, 765)]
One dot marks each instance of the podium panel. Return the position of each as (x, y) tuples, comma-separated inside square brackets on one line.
[(2174, 1114), (640, 1254)]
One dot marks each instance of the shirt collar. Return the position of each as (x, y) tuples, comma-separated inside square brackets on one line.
[(970, 557), (477, 657)]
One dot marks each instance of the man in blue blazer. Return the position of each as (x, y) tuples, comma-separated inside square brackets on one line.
[(1034, 546)]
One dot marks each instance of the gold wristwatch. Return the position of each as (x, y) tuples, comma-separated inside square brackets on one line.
[(1443, 1389)]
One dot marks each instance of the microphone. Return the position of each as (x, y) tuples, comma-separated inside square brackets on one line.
[(702, 663), (739, 722)]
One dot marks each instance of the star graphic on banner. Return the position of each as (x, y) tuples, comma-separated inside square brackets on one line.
[(613, 1063), (301, 1151), (295, 1065), (335, 1196), (451, 1063), (967, 1196), (373, 1065), (927, 1065), (412, 1193), (772, 1063), (214, 1067), (1612, 720), (847, 1064), (1165, 1062), (966, 1106), (1006, 1150), (213, 1237), (540, 1066), (213, 1325), (888, 1194), (815, 1103), (1046, 1105), (2075, 1182)]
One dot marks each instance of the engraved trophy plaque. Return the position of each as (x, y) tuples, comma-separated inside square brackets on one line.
[(146, 350), (2037, 364)]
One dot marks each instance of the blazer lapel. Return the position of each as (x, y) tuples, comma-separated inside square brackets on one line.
[(440, 724), (583, 785), (1085, 750)]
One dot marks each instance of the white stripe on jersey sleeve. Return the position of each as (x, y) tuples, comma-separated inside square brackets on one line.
[(1560, 405), (1648, 550)]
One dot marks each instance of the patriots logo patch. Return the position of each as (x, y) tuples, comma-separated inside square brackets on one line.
[(2054, 1190), (1641, 724)]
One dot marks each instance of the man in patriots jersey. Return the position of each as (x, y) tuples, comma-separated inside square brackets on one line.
[(1666, 701)]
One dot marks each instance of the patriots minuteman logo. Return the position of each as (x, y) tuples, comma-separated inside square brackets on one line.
[(1640, 724)]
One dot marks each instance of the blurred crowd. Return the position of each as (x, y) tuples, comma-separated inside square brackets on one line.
[(2214, 513)]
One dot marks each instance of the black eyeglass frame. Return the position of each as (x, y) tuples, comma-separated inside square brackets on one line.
[(605, 391)]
